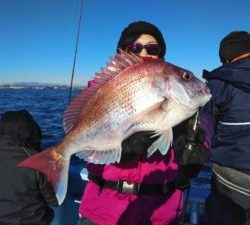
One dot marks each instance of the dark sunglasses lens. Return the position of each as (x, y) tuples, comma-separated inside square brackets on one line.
[(153, 49), (135, 48)]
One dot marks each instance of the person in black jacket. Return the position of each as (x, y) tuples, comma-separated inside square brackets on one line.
[(25, 195), (229, 108)]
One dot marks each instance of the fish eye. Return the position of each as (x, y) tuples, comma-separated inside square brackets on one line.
[(186, 76)]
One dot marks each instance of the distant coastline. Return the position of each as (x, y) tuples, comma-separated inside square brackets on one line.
[(36, 85)]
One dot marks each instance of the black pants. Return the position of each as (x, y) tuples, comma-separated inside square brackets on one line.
[(222, 210), (85, 221)]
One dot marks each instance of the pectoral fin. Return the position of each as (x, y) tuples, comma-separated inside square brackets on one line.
[(151, 119), (162, 143)]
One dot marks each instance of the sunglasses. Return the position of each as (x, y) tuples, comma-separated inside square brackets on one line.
[(152, 49)]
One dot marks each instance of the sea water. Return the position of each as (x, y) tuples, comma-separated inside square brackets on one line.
[(45, 105)]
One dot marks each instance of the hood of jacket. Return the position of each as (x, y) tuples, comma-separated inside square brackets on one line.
[(19, 128), (237, 73)]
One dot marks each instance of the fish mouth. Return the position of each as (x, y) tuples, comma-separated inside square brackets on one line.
[(206, 96), (205, 90)]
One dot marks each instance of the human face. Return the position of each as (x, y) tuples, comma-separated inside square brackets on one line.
[(146, 39)]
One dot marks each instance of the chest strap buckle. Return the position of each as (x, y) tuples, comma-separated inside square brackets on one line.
[(126, 187)]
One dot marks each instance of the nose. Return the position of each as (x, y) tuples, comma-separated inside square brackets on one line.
[(143, 53)]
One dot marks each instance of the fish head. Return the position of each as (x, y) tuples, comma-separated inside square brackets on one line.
[(185, 89)]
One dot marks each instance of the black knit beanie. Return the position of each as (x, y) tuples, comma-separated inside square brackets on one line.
[(234, 44), (21, 127), (134, 30)]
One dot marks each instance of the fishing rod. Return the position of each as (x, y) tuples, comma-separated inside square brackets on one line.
[(76, 48)]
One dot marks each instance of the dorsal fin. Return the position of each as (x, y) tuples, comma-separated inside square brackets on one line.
[(121, 61)]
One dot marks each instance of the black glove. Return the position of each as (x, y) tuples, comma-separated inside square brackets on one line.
[(137, 144), (198, 154), (191, 160), (185, 172), (191, 152)]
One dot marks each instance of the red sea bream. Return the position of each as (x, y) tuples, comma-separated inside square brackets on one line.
[(129, 95)]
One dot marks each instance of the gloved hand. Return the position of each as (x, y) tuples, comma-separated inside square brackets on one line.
[(185, 172), (191, 151), (198, 154), (137, 144)]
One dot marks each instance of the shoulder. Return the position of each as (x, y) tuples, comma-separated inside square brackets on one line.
[(221, 91), (217, 86)]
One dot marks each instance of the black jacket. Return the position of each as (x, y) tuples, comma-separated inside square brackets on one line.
[(230, 109), (24, 193)]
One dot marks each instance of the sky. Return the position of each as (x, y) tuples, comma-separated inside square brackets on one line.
[(38, 37)]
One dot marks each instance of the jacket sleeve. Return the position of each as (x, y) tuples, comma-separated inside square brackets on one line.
[(213, 111), (47, 191), (221, 95)]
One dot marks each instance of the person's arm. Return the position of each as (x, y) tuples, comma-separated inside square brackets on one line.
[(47, 191), (213, 111)]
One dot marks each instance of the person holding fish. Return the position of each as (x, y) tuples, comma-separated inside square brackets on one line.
[(122, 126), (25, 194), (229, 200), (139, 189)]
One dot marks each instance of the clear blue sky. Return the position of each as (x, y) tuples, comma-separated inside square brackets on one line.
[(37, 37)]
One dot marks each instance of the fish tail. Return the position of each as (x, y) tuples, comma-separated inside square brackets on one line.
[(54, 165)]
